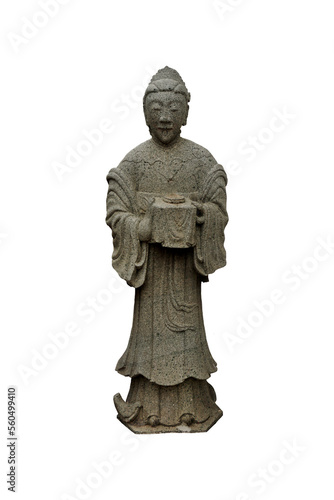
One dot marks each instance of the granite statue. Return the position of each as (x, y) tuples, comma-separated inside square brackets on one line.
[(166, 206)]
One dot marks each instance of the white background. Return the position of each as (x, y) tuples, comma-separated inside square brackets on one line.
[(275, 387)]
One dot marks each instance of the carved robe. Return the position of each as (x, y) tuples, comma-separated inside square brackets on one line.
[(167, 346)]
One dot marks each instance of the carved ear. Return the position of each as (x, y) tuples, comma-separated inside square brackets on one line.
[(186, 116), (145, 114)]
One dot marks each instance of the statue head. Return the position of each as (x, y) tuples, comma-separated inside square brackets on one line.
[(166, 105)]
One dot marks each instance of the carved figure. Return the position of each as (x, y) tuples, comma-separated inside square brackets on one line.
[(166, 206)]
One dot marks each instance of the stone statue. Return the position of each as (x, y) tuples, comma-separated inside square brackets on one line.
[(166, 206)]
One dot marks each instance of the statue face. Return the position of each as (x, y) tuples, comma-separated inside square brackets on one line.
[(165, 113)]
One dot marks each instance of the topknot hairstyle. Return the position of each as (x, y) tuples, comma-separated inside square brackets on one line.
[(167, 79)]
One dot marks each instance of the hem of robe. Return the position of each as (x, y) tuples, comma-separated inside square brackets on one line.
[(193, 397), (162, 381)]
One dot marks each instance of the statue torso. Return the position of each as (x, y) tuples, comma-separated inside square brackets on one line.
[(180, 168)]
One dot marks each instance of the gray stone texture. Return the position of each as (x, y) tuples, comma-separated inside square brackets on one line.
[(166, 206)]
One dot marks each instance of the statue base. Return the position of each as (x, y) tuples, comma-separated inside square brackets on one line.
[(161, 429), (154, 409)]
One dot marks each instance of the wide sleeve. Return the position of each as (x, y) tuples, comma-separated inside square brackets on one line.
[(129, 256), (209, 254)]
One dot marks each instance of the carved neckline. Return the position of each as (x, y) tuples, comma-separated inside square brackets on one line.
[(168, 146)]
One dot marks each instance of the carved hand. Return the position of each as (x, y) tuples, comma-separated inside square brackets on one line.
[(145, 225), (200, 218)]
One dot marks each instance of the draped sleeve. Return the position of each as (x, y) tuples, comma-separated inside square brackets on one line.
[(209, 254), (129, 256)]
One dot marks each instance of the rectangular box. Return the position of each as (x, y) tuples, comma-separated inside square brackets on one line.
[(173, 224)]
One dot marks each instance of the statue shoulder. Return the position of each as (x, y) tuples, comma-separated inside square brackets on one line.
[(128, 166), (205, 164), (138, 153), (199, 152)]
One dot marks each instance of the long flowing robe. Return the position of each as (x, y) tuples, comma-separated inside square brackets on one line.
[(167, 345)]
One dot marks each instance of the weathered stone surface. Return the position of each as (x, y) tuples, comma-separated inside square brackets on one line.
[(166, 206)]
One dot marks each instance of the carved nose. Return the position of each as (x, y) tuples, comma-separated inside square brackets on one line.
[(165, 118)]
